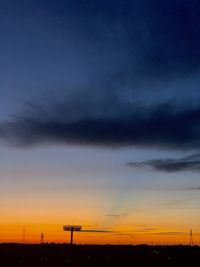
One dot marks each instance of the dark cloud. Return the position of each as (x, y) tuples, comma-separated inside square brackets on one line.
[(193, 188), (131, 51), (161, 127), (189, 163)]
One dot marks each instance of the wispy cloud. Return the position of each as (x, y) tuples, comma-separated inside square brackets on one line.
[(189, 163), (98, 231), (170, 233), (117, 216), (193, 188), (146, 229), (124, 234)]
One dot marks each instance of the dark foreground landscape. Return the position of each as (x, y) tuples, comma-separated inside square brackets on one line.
[(97, 255)]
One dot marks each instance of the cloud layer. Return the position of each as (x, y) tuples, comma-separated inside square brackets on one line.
[(189, 163), (160, 127), (142, 64)]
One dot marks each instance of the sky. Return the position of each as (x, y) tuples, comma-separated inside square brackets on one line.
[(99, 120)]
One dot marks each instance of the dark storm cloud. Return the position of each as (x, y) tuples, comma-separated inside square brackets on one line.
[(134, 49), (161, 127), (190, 163)]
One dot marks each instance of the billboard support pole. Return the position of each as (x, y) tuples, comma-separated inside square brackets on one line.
[(72, 230)]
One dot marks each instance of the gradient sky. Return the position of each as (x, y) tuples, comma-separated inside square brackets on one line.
[(99, 119)]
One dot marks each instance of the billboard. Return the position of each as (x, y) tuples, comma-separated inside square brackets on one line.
[(72, 228)]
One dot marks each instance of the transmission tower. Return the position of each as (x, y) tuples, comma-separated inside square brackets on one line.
[(42, 238), (191, 238), (24, 235)]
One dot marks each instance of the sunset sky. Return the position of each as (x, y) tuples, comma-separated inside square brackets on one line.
[(100, 120)]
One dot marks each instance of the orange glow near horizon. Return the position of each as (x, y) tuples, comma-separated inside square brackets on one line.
[(138, 207), (169, 226), (53, 233)]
